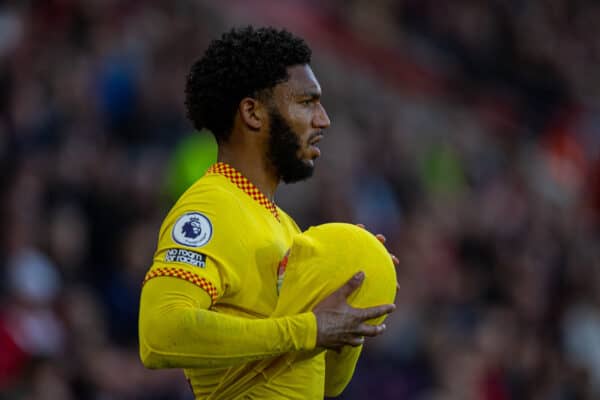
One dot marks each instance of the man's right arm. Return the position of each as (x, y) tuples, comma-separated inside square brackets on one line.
[(177, 330)]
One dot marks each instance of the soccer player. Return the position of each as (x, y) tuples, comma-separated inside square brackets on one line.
[(208, 297)]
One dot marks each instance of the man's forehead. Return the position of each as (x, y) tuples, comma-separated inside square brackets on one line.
[(302, 79)]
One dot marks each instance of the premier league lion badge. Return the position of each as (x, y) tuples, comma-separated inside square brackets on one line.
[(192, 229)]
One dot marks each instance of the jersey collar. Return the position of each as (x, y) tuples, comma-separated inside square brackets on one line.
[(235, 177)]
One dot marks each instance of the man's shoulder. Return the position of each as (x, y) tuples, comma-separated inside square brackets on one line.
[(209, 189), (206, 206)]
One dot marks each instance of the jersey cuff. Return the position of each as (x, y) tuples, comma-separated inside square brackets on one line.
[(310, 340)]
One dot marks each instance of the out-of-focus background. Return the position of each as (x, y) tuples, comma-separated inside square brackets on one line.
[(467, 132)]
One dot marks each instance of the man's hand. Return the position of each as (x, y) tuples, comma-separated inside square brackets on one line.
[(339, 324)]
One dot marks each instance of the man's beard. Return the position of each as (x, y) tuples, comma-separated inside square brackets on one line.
[(283, 151)]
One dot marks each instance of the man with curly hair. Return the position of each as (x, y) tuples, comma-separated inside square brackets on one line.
[(207, 300)]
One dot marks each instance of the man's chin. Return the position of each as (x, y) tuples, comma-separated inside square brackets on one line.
[(300, 173)]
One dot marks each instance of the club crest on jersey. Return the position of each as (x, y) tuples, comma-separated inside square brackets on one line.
[(192, 229), (281, 270)]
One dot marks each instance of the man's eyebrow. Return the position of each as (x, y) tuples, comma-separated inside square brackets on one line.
[(311, 93)]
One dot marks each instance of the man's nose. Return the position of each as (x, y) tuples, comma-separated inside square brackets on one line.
[(321, 119)]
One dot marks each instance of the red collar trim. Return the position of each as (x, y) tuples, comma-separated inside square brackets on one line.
[(243, 183)]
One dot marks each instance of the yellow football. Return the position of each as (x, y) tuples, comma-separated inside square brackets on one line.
[(324, 258)]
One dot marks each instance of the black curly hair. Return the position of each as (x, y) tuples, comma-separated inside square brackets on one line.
[(243, 62)]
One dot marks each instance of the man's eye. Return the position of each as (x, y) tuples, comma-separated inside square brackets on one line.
[(307, 102)]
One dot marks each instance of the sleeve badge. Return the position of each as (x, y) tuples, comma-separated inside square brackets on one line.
[(192, 229)]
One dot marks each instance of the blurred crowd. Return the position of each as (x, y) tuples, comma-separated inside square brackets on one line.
[(467, 132)]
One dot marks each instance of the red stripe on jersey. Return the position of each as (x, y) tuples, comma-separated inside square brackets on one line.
[(185, 275)]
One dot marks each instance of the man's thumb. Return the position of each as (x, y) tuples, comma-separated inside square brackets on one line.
[(353, 284)]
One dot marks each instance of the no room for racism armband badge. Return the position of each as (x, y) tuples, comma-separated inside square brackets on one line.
[(186, 256), (192, 229)]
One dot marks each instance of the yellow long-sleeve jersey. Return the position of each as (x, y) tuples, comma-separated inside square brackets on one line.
[(208, 297)]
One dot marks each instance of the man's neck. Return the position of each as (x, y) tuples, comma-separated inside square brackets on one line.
[(252, 167)]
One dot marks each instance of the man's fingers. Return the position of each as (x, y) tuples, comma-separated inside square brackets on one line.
[(378, 311), (395, 259), (353, 284), (381, 238), (370, 330), (356, 341)]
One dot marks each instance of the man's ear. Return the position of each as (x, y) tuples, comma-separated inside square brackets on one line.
[(252, 112)]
